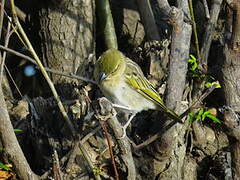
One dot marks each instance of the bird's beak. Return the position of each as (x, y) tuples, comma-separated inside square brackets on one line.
[(102, 76)]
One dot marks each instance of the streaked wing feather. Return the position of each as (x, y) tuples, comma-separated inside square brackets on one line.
[(137, 81)]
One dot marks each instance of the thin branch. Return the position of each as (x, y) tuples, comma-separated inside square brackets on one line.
[(18, 54), (57, 174), (103, 125), (22, 16), (192, 106), (1, 16), (194, 28), (206, 9), (47, 69), (14, 83), (71, 75), (7, 37)]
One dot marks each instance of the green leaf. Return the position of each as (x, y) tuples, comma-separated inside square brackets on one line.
[(208, 84), (199, 115), (18, 130), (194, 63), (5, 167), (216, 84), (215, 119), (194, 66), (193, 57), (205, 114)]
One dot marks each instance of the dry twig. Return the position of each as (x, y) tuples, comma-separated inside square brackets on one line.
[(105, 111)]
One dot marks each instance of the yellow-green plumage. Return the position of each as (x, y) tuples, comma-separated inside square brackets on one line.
[(122, 81)]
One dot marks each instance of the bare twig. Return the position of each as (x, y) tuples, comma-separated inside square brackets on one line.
[(47, 69), (103, 125), (7, 37), (14, 83), (104, 111), (71, 75), (1, 16), (56, 167), (194, 28), (206, 9), (192, 106), (18, 54), (22, 16)]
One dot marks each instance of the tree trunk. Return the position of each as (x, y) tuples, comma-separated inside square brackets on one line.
[(67, 30), (231, 81)]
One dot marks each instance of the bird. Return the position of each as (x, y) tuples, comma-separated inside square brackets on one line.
[(122, 81)]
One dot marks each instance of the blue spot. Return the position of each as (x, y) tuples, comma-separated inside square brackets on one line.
[(29, 70)]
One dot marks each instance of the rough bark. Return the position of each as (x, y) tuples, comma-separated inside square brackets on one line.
[(67, 36), (231, 81), (171, 148)]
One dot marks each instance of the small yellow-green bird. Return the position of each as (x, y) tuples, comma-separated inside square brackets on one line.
[(122, 81)]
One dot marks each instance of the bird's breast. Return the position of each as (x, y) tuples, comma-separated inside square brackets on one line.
[(121, 93)]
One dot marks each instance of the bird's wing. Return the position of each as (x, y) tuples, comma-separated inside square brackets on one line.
[(137, 81)]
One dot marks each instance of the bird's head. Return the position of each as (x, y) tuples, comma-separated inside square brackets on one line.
[(111, 64)]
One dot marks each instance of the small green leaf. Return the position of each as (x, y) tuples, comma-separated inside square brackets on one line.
[(193, 57), (199, 115), (216, 84), (208, 84), (18, 130), (5, 167), (215, 119), (205, 114), (194, 66)]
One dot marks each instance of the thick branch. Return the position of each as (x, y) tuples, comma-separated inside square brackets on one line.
[(12, 149), (105, 111), (235, 41), (207, 37), (106, 24), (164, 7), (171, 147), (148, 20)]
